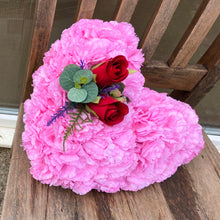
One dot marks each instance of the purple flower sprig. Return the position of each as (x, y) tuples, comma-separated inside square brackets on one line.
[(107, 90), (61, 112), (82, 64)]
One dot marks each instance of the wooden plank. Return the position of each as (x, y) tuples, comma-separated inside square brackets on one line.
[(199, 183), (159, 75), (202, 22), (44, 15), (124, 10), (210, 60), (85, 9), (212, 56), (157, 26), (200, 90)]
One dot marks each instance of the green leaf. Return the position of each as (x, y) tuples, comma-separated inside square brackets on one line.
[(96, 100), (91, 111), (121, 99), (77, 85), (97, 65), (75, 123), (92, 92), (130, 71), (77, 95), (94, 78), (116, 93), (66, 77), (72, 66), (83, 76)]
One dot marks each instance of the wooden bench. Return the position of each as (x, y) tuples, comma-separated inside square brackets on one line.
[(193, 192)]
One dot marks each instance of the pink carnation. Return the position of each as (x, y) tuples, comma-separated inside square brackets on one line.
[(158, 135)]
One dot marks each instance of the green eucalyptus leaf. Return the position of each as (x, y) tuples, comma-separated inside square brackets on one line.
[(66, 77), (92, 92), (77, 85), (74, 67), (83, 76), (77, 95)]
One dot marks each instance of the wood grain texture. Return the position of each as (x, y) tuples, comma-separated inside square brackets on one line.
[(200, 90), (210, 60), (199, 183), (159, 75), (202, 22), (44, 15), (124, 10), (192, 193), (212, 56), (85, 9), (157, 26)]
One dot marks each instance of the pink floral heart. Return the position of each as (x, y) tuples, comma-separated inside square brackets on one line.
[(158, 135)]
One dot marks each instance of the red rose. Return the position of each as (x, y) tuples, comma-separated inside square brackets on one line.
[(111, 71), (109, 110)]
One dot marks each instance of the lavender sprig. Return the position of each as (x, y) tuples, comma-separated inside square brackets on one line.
[(82, 64), (107, 90), (61, 112)]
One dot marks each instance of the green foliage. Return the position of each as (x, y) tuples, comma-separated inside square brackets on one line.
[(96, 100), (74, 67), (75, 123), (77, 85), (92, 92), (83, 80), (66, 77), (83, 76), (77, 95), (116, 93), (130, 71), (91, 111)]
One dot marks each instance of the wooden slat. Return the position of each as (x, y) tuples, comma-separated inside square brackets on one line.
[(212, 56), (199, 184), (210, 60), (159, 75), (44, 15), (124, 10), (157, 26), (85, 9), (203, 87), (192, 192), (202, 22)]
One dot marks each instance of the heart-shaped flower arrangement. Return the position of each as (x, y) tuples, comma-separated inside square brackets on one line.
[(115, 133), (99, 92)]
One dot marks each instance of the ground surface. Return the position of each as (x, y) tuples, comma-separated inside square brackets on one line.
[(4, 167)]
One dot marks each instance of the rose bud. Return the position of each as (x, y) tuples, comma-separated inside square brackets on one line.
[(113, 70), (109, 110)]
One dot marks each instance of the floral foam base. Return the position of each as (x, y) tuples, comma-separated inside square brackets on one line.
[(158, 135)]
